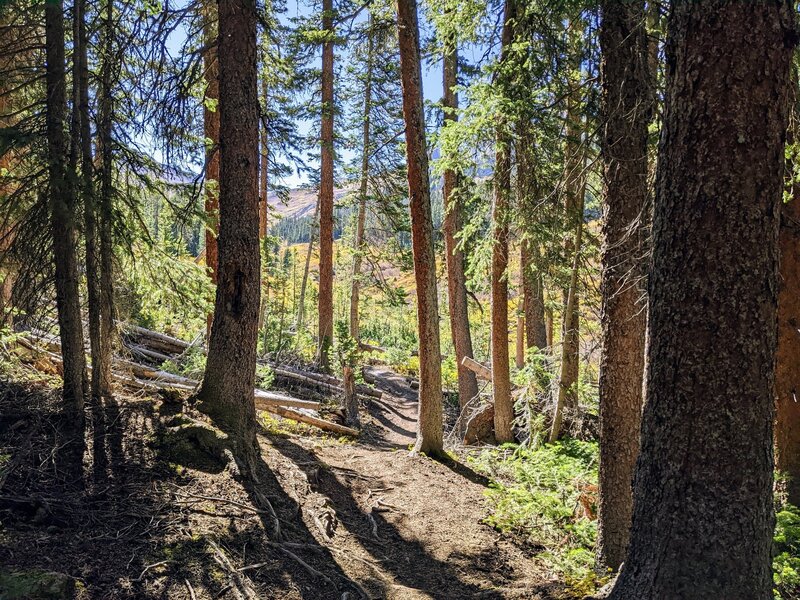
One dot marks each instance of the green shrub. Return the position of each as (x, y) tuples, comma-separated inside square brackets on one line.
[(786, 564), (547, 496)]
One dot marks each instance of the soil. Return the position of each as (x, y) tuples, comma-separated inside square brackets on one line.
[(359, 519)]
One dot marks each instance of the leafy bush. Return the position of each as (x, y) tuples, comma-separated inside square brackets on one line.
[(786, 564), (547, 495)]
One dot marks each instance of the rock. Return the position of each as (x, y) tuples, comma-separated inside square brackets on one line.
[(480, 427), (36, 585)]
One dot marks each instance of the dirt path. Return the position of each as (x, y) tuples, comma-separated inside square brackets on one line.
[(357, 519)]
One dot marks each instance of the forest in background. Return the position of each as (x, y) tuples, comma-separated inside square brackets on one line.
[(569, 279)]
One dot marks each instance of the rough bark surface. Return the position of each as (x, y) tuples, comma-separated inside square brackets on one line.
[(326, 194), (533, 298), (263, 195), (429, 425), (626, 80), (703, 517), (787, 368), (63, 224), (456, 279), (227, 390)]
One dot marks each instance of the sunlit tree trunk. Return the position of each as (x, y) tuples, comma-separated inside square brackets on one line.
[(359, 245), (626, 113), (787, 368), (227, 389), (429, 425), (325, 307), (456, 279), (703, 498)]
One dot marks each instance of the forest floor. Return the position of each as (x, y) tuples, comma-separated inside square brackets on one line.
[(357, 519)]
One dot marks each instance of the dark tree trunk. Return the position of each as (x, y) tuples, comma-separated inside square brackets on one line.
[(359, 246), (326, 194), (211, 126), (263, 214), (63, 221), (456, 279), (429, 425), (227, 389), (703, 513), (626, 80), (533, 300)]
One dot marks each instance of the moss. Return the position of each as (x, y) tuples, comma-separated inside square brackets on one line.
[(35, 585)]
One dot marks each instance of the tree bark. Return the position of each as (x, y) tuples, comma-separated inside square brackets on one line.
[(326, 194), (211, 127), (703, 511), (787, 369), (227, 389), (501, 372), (63, 217), (574, 191), (263, 214), (626, 104), (429, 426), (533, 298), (456, 279), (359, 245)]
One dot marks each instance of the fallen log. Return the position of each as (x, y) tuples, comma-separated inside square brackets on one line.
[(316, 422), (480, 370), (370, 348), (294, 373), (149, 354)]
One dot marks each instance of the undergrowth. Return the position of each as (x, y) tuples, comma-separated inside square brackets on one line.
[(547, 496)]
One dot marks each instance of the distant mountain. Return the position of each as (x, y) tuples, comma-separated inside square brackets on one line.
[(302, 202)]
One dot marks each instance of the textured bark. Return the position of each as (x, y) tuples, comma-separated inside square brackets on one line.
[(325, 308), (787, 368), (574, 191), (211, 126), (533, 298), (359, 246), (227, 390), (703, 514), (566, 383), (63, 220), (456, 279), (626, 103), (429, 425), (501, 375)]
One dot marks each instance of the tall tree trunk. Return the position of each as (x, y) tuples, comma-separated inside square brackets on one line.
[(429, 425), (359, 245), (533, 301), (211, 126), (301, 303), (82, 145), (263, 214), (566, 383), (574, 191), (703, 514), (63, 217), (227, 389), (501, 372), (326, 194), (626, 103), (787, 368), (456, 279)]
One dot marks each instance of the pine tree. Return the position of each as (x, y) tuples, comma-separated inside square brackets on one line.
[(703, 517)]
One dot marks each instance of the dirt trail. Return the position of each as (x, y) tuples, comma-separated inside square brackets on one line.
[(358, 519)]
